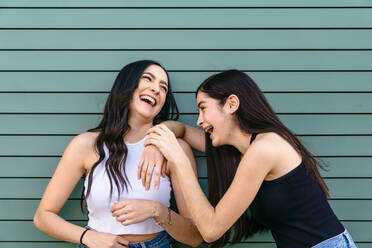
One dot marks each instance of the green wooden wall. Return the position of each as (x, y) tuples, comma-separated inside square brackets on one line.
[(58, 59)]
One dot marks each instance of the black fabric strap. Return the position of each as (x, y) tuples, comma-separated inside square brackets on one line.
[(254, 135)]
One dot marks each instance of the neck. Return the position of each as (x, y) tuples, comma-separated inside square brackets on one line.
[(240, 140), (138, 129)]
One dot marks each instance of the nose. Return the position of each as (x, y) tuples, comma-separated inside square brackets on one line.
[(199, 121), (155, 87)]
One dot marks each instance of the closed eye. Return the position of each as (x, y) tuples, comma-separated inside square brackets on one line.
[(165, 88), (147, 78)]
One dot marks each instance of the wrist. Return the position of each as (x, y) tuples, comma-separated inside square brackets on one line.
[(85, 237), (159, 212), (180, 160)]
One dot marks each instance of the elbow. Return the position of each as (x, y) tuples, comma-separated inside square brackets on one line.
[(196, 242), (36, 220), (211, 236)]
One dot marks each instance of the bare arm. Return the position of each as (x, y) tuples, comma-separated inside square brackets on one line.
[(152, 159), (213, 222), (182, 228), (69, 171), (193, 136)]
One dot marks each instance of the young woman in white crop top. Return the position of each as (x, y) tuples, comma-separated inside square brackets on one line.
[(122, 212)]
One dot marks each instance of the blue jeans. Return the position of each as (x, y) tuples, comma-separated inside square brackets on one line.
[(161, 241), (342, 240)]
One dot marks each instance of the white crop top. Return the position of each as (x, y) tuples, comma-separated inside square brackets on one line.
[(99, 202)]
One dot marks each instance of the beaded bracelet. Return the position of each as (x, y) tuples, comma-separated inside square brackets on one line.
[(167, 219)]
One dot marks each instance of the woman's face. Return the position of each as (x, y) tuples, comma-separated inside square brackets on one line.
[(213, 118), (149, 97)]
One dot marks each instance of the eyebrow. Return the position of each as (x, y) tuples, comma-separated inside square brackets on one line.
[(153, 76), (200, 103)]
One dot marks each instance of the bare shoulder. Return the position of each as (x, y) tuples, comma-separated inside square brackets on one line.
[(274, 150), (85, 141), (269, 148), (83, 148), (267, 144)]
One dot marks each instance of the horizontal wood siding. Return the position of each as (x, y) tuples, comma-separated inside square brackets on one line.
[(58, 60)]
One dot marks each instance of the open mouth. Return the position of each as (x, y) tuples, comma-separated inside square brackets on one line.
[(208, 129), (148, 99)]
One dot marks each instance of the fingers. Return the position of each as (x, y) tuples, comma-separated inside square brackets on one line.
[(124, 217), (139, 168), (152, 140), (120, 208), (164, 169), (143, 172), (158, 129), (158, 169), (122, 241), (148, 176)]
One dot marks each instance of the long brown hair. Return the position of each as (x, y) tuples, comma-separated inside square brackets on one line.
[(114, 124), (254, 115)]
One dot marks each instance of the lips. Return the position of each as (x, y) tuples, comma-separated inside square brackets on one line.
[(148, 99), (208, 129)]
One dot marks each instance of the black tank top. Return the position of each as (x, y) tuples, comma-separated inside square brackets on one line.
[(295, 209)]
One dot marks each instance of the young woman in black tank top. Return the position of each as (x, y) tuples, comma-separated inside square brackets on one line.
[(254, 163)]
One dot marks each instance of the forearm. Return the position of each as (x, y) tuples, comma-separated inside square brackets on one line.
[(201, 211), (179, 227), (178, 128), (58, 228), (193, 136)]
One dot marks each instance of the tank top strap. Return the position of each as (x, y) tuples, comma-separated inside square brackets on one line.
[(253, 137)]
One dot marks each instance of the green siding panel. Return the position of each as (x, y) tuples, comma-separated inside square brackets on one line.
[(184, 18), (352, 167), (188, 60), (94, 102), (186, 81), (335, 167), (25, 209), (312, 62), (185, 39), (55, 145), (13, 188), (37, 245), (69, 245), (189, 3), (9, 231), (74, 124), (29, 188)]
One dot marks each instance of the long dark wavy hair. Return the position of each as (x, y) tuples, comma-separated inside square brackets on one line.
[(114, 124), (254, 115)]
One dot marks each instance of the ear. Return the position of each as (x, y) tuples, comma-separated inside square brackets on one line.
[(232, 103)]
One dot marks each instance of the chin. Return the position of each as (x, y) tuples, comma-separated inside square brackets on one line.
[(215, 143)]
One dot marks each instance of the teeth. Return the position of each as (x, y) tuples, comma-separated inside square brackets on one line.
[(209, 129), (150, 99)]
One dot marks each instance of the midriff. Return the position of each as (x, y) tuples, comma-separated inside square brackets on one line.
[(135, 238)]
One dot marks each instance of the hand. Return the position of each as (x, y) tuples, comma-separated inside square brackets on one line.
[(94, 239), (151, 158), (166, 141), (133, 211)]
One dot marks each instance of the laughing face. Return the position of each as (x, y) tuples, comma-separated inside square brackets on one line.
[(150, 94), (213, 119)]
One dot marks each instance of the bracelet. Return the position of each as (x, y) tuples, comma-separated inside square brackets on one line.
[(82, 235), (167, 219)]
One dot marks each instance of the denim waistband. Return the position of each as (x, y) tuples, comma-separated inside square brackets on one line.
[(162, 240), (343, 240)]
